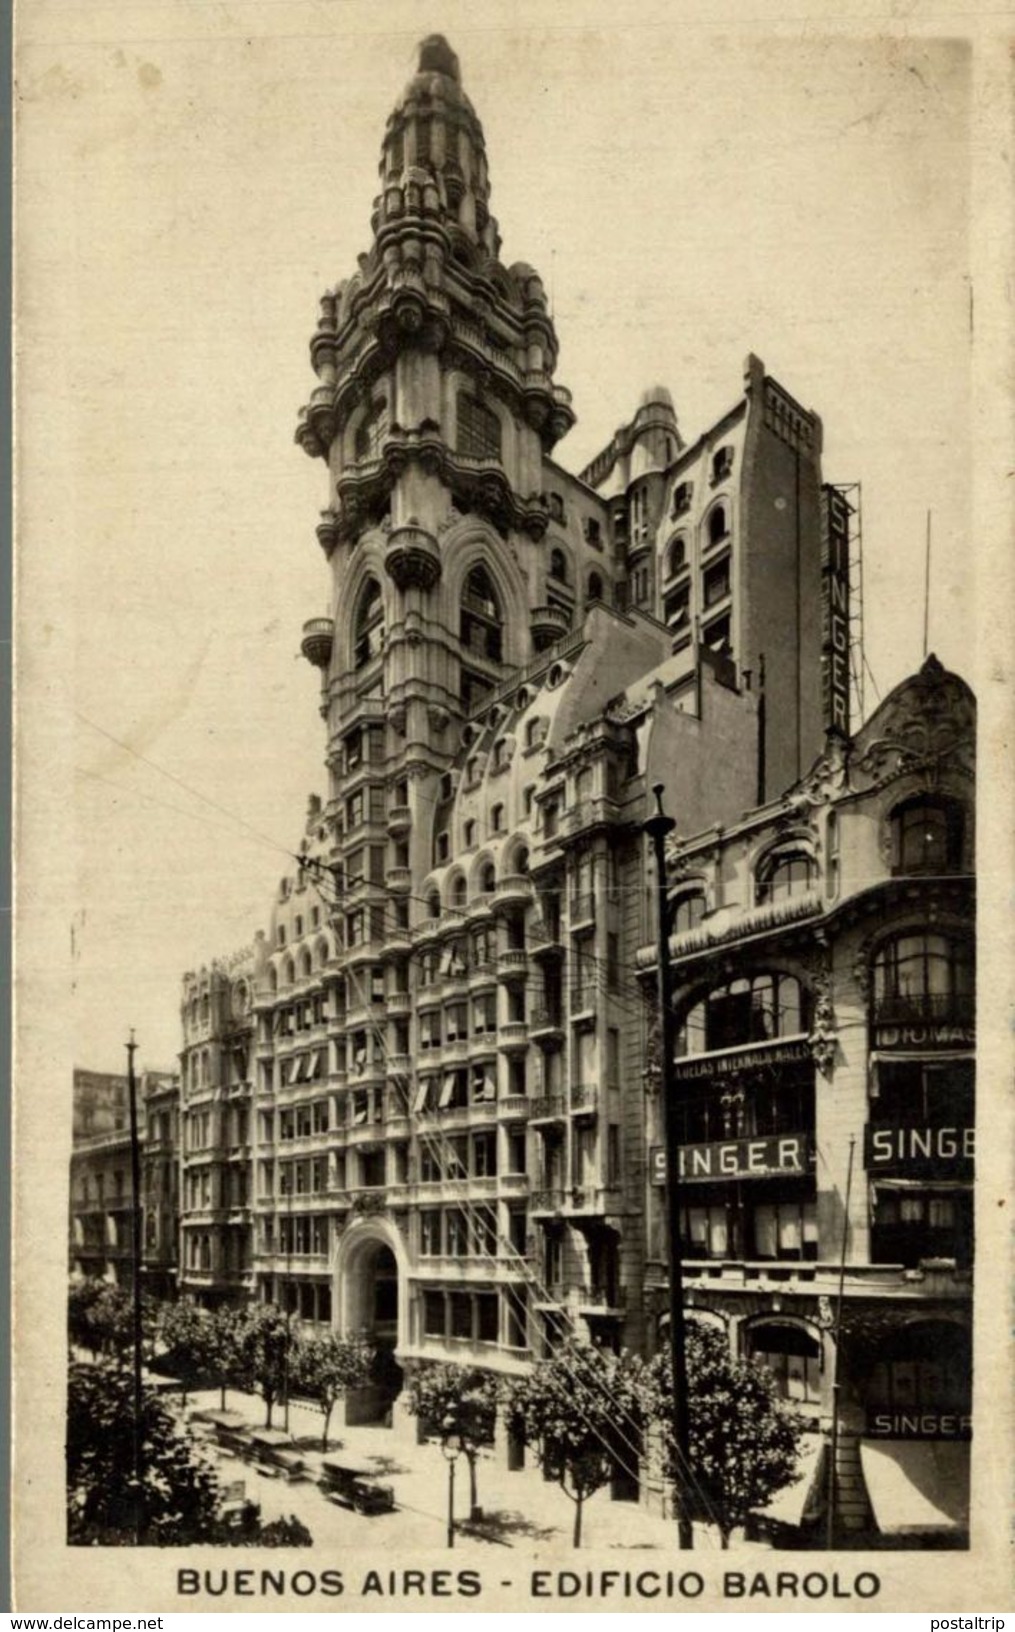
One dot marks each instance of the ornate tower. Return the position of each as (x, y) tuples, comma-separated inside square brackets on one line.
[(435, 408)]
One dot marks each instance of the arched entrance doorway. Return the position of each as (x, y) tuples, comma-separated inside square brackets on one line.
[(370, 1297)]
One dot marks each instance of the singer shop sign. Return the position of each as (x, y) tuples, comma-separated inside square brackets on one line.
[(932, 1152), (780, 1156)]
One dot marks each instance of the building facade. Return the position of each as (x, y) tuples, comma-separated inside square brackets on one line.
[(423, 1105), (101, 1185), (823, 958)]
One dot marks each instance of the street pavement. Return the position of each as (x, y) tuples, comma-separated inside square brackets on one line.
[(520, 1509)]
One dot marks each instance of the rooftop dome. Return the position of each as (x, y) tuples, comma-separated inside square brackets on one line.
[(657, 396)]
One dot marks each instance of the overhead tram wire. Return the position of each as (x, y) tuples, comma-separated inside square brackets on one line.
[(438, 1138)]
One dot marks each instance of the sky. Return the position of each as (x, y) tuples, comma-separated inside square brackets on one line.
[(193, 176)]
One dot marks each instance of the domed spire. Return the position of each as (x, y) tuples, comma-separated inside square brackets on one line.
[(434, 138), (437, 57)]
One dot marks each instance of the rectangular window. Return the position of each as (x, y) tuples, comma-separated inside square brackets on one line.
[(429, 1234), (433, 1314), (484, 1155), (486, 1317), (461, 1314)]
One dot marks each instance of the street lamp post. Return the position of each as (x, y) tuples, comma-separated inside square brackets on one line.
[(451, 1446)]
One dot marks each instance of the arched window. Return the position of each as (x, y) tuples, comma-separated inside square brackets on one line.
[(558, 566), (927, 836), (482, 622), (433, 904), (306, 965), (521, 862), (368, 629), (459, 893), (787, 873), (922, 976), (718, 524), (595, 587), (676, 556), (488, 879), (793, 1357), (753, 1009), (479, 434), (288, 972), (688, 911)]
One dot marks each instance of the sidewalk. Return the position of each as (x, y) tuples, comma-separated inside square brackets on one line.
[(519, 1509)]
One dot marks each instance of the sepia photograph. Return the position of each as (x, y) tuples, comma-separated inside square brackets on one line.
[(501, 618)]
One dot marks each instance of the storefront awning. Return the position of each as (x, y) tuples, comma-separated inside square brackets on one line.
[(917, 1485), (789, 1504)]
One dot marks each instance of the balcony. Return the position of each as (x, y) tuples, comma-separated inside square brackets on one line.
[(546, 1027), (482, 974), (548, 1108), (398, 1003), (548, 624), (513, 1037), (547, 1202), (398, 1065), (512, 964), (584, 1002), (545, 943), (588, 815), (398, 942), (513, 891), (513, 1105), (583, 1099), (399, 819), (926, 1008), (398, 879), (318, 639), (599, 1301)]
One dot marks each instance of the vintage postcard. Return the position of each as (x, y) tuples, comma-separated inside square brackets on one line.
[(512, 1073)]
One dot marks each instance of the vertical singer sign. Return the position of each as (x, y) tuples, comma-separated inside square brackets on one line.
[(835, 610)]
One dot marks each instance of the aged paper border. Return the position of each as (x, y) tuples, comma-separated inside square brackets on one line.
[(50, 1576)]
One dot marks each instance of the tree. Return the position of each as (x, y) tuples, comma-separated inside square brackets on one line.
[(179, 1497), (457, 1400), (189, 1339), (226, 1330), (326, 1367), (582, 1415), (267, 1343), (743, 1440)]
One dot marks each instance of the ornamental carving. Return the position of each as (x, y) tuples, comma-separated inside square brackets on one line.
[(369, 1204)]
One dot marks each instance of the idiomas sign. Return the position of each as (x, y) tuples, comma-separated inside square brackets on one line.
[(835, 514), (778, 1157), (947, 1152), (923, 1034)]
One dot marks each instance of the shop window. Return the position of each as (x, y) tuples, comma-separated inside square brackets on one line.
[(787, 874), (368, 626), (927, 1093), (793, 1357), (924, 977), (913, 1222), (479, 429), (927, 836), (785, 1229), (704, 1232), (926, 1366), (750, 1010)]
